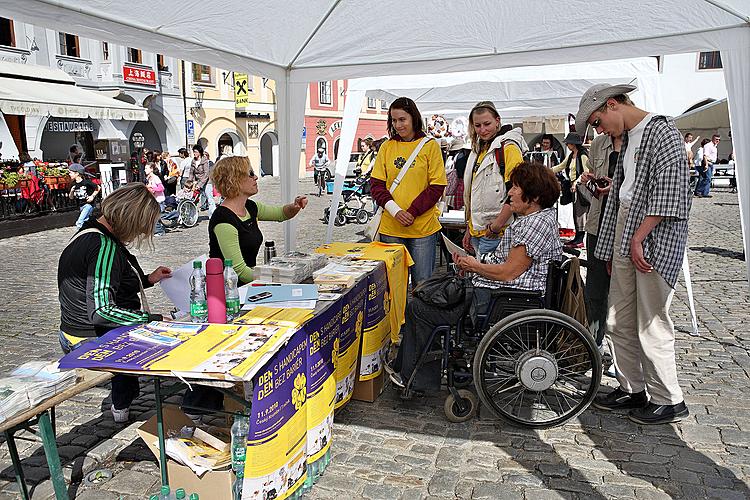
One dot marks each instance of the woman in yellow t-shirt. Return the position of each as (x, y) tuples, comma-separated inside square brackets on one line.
[(410, 216)]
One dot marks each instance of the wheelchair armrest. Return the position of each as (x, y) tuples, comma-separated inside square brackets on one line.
[(515, 293)]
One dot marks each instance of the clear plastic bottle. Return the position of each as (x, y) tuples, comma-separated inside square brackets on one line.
[(240, 428), (230, 290), (198, 304), (165, 493), (179, 494)]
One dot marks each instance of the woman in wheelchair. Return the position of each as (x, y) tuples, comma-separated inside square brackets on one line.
[(520, 261)]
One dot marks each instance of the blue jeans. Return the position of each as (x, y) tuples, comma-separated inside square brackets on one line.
[(422, 251), (703, 188), (125, 388), (484, 245), (86, 210)]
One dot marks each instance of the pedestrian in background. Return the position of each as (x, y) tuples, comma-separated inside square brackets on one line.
[(84, 191)]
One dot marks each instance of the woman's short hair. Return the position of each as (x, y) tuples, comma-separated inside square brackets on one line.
[(537, 182), (406, 104), (132, 211), (198, 148), (228, 173)]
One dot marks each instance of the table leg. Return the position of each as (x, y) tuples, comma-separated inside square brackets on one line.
[(53, 459), (17, 467), (160, 432)]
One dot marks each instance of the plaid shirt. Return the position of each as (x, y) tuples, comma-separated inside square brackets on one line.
[(539, 232), (661, 188)]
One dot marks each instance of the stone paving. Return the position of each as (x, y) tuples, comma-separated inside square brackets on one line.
[(393, 449)]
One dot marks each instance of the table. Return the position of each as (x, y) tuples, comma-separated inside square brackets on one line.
[(43, 416)]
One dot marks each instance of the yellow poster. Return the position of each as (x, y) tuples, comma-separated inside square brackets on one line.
[(241, 90)]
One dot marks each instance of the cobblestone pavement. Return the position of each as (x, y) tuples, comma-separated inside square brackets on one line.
[(394, 449)]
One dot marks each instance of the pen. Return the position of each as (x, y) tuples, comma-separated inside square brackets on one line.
[(265, 284)]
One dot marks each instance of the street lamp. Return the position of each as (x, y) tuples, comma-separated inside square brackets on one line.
[(198, 91)]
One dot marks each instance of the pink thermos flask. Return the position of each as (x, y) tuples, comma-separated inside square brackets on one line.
[(215, 296)]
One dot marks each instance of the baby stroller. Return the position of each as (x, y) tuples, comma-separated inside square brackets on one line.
[(181, 209), (354, 206)]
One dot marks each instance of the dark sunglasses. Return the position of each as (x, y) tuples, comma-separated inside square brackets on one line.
[(251, 173), (595, 124)]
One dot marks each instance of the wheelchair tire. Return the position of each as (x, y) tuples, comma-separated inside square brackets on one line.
[(537, 368), (362, 216), (454, 414), (188, 213)]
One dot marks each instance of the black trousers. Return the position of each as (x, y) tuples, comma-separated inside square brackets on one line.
[(596, 293), (421, 319)]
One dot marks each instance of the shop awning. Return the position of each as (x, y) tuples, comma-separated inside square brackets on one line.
[(53, 92), (711, 116)]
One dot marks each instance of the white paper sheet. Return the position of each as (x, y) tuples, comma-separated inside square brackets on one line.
[(177, 288), (452, 247)]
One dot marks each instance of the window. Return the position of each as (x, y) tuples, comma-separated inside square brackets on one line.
[(202, 73), (371, 102), (105, 51), (7, 35), (709, 60), (134, 55), (161, 63), (325, 93), (383, 104), (69, 45)]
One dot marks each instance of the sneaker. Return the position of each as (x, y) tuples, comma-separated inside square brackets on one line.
[(708, 196), (620, 400), (653, 413), (611, 372), (120, 416)]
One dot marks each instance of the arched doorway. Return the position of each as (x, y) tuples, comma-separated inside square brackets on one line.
[(230, 143), (321, 143), (269, 153), (226, 144), (336, 148)]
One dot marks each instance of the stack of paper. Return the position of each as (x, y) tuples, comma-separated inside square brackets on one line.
[(293, 267), (30, 384), (198, 450), (343, 271)]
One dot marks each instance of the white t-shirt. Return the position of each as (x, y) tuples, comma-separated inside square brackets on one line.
[(710, 151), (185, 165), (629, 161)]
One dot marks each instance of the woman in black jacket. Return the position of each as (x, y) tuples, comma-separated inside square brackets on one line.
[(99, 280)]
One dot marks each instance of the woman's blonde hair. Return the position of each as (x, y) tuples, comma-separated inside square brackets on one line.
[(132, 211), (228, 174)]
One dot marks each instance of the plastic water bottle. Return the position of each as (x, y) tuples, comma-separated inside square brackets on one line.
[(240, 428), (179, 494), (194, 496), (269, 252), (230, 290), (198, 304), (165, 493)]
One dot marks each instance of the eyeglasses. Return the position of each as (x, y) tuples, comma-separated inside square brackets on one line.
[(251, 174), (595, 124)]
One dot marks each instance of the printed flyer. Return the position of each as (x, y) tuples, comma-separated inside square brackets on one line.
[(215, 351), (322, 351), (352, 323), (276, 460), (375, 338)]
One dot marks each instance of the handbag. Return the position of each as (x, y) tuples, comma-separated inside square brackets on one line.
[(372, 229), (566, 194), (443, 289)]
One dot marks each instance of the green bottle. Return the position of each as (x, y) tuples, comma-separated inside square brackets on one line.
[(180, 494), (194, 496)]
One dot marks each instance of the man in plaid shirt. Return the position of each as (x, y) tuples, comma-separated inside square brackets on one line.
[(643, 235)]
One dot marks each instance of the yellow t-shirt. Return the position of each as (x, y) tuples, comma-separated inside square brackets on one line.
[(428, 168), (513, 158)]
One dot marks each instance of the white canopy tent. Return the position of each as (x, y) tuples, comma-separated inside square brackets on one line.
[(298, 41)]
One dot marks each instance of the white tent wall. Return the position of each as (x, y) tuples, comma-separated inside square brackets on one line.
[(737, 77)]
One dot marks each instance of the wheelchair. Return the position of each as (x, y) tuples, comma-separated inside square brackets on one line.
[(531, 365), (183, 212)]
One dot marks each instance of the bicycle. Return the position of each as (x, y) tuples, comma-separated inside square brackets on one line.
[(320, 181)]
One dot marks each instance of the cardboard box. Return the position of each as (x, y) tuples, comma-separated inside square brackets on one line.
[(369, 390), (213, 484)]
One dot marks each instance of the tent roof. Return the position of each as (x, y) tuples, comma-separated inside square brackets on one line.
[(711, 116), (345, 39)]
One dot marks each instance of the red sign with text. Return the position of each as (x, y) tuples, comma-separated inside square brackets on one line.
[(138, 75)]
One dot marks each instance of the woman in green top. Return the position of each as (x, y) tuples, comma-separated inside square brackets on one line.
[(234, 234), (233, 229)]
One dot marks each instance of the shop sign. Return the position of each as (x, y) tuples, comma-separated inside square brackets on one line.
[(139, 75), (240, 90), (138, 140), (334, 127), (69, 126)]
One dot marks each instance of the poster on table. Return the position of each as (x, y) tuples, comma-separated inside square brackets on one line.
[(322, 350), (377, 326), (232, 352), (352, 323), (276, 459)]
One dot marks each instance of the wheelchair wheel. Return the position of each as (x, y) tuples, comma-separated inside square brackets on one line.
[(537, 368), (188, 213), (362, 216), (457, 414)]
